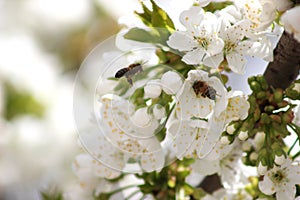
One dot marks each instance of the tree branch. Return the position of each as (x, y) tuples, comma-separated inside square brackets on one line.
[(286, 64)]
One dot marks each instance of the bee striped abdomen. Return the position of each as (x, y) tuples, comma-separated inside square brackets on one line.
[(204, 90), (121, 72)]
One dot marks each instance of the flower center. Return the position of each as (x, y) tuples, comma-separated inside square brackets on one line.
[(202, 42), (278, 176), (229, 47)]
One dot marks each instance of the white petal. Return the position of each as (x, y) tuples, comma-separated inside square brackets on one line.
[(204, 3), (206, 167), (236, 62), (266, 186), (184, 138), (215, 47), (214, 61), (192, 16), (194, 57), (286, 193), (211, 138), (182, 41), (189, 105)]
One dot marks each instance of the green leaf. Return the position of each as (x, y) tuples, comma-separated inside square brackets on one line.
[(146, 16), (153, 35), (19, 102), (156, 18)]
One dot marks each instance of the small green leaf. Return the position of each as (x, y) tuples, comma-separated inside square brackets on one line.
[(153, 35), (156, 18)]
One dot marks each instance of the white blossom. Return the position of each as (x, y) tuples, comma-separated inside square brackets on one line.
[(261, 13), (191, 105), (226, 161), (281, 180), (200, 41), (291, 22)]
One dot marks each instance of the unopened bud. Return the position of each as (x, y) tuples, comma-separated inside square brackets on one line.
[(230, 129), (261, 95), (261, 168), (243, 135), (279, 160), (152, 89), (225, 140), (246, 146), (278, 95), (159, 112), (253, 156), (255, 86)]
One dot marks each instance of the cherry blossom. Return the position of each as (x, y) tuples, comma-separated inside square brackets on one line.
[(281, 180), (200, 40)]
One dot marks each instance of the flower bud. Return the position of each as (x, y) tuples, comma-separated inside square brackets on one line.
[(269, 108), (159, 112), (230, 129), (263, 82), (262, 168), (276, 118), (279, 160), (278, 95), (253, 156), (255, 86), (259, 139), (264, 118), (246, 146), (171, 82), (225, 140), (141, 117), (152, 89), (261, 95), (243, 135)]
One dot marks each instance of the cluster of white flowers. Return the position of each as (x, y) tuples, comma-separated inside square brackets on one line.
[(228, 34), (196, 110), (199, 120)]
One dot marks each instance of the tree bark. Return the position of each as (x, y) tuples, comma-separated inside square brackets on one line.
[(286, 64)]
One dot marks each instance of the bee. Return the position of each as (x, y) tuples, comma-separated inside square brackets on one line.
[(129, 71), (203, 89)]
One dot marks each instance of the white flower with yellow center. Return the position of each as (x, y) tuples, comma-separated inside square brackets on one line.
[(196, 128), (281, 180), (261, 13), (200, 96), (124, 135), (200, 40)]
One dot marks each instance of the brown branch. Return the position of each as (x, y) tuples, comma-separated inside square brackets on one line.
[(286, 64)]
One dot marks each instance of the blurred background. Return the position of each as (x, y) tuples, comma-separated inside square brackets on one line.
[(42, 44)]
